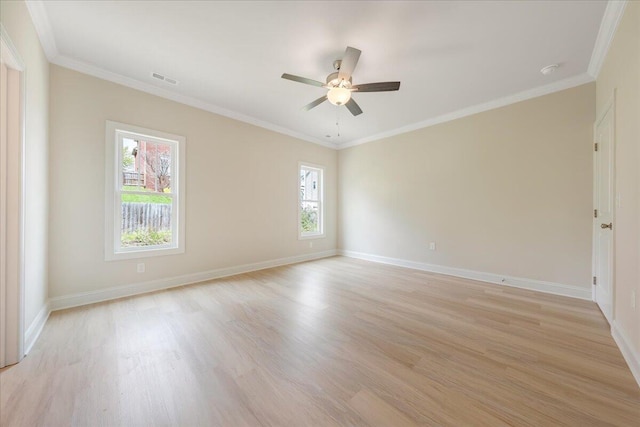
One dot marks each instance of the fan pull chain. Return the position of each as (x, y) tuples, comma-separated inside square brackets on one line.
[(338, 121)]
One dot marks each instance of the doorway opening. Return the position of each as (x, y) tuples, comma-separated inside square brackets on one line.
[(12, 131)]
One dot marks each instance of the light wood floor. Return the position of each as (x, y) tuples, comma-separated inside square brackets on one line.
[(330, 342)]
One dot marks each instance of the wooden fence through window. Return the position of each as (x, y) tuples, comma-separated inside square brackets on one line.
[(145, 216)]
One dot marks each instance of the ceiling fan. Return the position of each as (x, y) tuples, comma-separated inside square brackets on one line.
[(339, 83)]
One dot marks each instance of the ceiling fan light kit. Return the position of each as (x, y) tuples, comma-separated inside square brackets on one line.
[(339, 84), (339, 95)]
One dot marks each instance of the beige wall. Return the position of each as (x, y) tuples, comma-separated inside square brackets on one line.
[(506, 191), (241, 198), (17, 22), (621, 71)]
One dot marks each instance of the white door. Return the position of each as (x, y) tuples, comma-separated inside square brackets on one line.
[(603, 212)]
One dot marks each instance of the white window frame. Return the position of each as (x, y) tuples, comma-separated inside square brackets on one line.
[(318, 234), (115, 132)]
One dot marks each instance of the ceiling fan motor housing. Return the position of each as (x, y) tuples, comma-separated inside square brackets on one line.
[(334, 81)]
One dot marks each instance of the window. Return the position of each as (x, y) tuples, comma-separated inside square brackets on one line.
[(310, 214), (144, 192)]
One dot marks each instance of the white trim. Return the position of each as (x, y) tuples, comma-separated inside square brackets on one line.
[(308, 236), (59, 303), (517, 282), (83, 298), (23, 204), (630, 355), (320, 201), (112, 248), (479, 108), (10, 55), (608, 26), (9, 51), (35, 329), (42, 24), (85, 68), (92, 70)]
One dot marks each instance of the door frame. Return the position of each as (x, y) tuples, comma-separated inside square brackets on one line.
[(13, 60), (609, 106)]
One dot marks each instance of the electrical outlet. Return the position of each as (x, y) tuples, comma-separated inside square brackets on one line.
[(140, 267), (310, 244), (432, 246)]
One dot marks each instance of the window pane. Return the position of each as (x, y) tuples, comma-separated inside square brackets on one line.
[(309, 179), (132, 179), (146, 166), (146, 221), (309, 218)]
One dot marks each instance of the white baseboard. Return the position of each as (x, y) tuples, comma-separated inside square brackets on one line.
[(35, 328), (68, 301), (630, 355), (534, 285), (84, 298)]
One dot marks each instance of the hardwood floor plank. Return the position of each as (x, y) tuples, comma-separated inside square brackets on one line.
[(336, 341), (377, 412)]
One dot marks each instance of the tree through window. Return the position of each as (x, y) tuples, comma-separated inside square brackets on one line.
[(144, 191)]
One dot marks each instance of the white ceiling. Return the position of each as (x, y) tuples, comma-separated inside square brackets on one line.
[(228, 56)]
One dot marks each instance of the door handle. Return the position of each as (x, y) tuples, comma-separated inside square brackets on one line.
[(610, 225)]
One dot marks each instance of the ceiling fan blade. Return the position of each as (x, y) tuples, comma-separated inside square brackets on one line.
[(302, 80), (377, 87), (315, 103), (349, 62), (353, 107)]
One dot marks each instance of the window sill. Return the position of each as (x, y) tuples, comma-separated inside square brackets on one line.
[(144, 253), (311, 236)]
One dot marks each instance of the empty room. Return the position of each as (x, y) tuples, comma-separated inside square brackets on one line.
[(319, 213)]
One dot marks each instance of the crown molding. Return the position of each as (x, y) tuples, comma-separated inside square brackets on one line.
[(103, 74), (608, 26), (8, 51), (568, 83), (100, 73), (610, 20), (43, 27)]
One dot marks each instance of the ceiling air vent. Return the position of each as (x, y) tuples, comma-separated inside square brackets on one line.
[(164, 78)]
